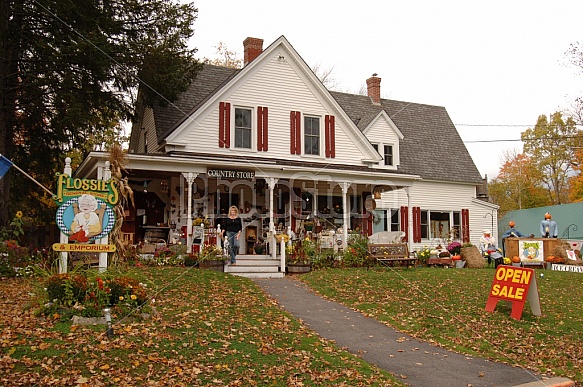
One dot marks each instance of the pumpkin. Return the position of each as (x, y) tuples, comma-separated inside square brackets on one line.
[(516, 259), (550, 258)]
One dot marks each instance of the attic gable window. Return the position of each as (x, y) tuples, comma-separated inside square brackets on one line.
[(243, 132), (387, 152), (311, 135)]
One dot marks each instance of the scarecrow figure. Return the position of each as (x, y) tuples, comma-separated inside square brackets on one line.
[(548, 227)]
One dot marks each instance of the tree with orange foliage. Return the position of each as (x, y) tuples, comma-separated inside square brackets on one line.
[(551, 146), (518, 184)]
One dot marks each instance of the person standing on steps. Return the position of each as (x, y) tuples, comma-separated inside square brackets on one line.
[(232, 226)]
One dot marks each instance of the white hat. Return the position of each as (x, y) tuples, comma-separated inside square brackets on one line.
[(486, 231)]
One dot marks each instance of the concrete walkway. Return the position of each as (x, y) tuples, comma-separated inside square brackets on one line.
[(417, 363)]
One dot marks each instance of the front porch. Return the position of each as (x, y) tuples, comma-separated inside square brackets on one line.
[(173, 194)]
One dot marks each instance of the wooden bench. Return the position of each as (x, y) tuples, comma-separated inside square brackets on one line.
[(391, 254)]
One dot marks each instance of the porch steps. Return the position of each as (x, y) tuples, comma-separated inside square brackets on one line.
[(255, 266)]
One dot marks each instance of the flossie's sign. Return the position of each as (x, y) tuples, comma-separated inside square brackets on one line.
[(106, 190), (85, 210)]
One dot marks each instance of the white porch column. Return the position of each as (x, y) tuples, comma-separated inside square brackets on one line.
[(189, 177), (105, 240), (345, 185), (410, 219), (64, 238), (271, 182)]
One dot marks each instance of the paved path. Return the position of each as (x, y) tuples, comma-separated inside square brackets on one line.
[(417, 363)]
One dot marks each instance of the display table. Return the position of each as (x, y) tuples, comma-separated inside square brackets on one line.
[(511, 248)]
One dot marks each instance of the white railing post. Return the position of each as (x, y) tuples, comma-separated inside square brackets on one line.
[(105, 240), (64, 238)]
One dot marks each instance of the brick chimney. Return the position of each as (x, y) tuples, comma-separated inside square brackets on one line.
[(373, 85), (253, 47)]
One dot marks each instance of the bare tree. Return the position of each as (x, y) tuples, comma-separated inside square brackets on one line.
[(325, 76), (225, 57)]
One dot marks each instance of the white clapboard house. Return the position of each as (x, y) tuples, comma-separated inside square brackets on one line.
[(270, 139)]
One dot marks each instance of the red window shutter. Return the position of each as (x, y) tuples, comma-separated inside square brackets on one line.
[(332, 137), (227, 125), (465, 225), (221, 125), (265, 127), (329, 136), (292, 133), (416, 224), (405, 221), (259, 129), (298, 133)]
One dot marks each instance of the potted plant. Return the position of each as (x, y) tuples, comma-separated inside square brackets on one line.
[(211, 257), (259, 246), (300, 256), (455, 249), (423, 255)]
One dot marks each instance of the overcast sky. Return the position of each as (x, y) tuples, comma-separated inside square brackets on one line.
[(497, 63)]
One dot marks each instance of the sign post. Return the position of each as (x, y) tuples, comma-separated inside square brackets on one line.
[(517, 285)]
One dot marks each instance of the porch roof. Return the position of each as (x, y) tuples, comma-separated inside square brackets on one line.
[(158, 165)]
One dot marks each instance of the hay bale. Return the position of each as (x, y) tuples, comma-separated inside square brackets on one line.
[(560, 250), (473, 257)]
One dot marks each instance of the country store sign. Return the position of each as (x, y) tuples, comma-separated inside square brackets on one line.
[(85, 212)]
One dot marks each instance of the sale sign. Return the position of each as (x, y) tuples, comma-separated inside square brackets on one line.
[(517, 285)]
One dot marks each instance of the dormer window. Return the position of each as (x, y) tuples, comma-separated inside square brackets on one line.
[(388, 154)]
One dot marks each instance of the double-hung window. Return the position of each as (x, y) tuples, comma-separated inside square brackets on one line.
[(388, 154), (243, 132), (311, 135)]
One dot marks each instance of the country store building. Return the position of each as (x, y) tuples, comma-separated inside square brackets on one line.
[(272, 140)]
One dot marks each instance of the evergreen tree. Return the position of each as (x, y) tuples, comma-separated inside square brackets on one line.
[(69, 70)]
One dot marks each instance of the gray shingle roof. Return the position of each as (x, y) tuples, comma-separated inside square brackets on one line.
[(207, 82), (431, 148)]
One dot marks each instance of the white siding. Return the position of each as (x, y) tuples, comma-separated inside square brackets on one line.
[(279, 87), (150, 130), (444, 197)]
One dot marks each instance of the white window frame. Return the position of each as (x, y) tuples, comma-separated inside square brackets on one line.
[(320, 139), (451, 221), (384, 155), (252, 128)]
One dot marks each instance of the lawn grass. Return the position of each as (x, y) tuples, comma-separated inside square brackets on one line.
[(447, 307), (209, 328)]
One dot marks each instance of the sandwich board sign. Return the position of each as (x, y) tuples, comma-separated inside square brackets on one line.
[(516, 285)]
